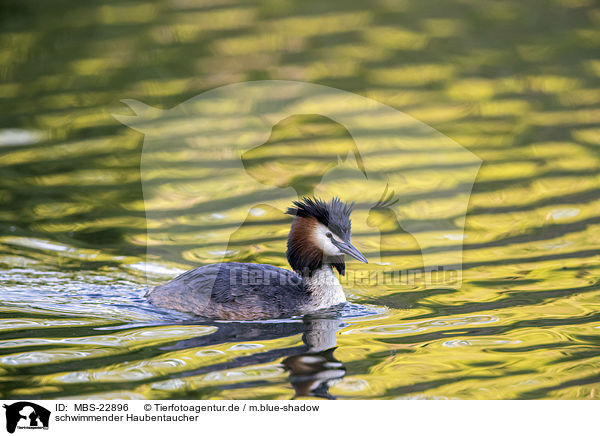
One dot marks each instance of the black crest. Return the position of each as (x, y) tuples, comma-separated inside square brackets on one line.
[(334, 214)]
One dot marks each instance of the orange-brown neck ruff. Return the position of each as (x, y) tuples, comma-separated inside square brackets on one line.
[(303, 254)]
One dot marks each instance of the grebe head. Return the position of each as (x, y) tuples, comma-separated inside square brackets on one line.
[(320, 235)]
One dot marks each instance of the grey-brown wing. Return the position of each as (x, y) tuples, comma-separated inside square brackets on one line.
[(213, 290)]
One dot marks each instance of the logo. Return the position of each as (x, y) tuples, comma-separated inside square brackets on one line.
[(215, 167), (26, 415)]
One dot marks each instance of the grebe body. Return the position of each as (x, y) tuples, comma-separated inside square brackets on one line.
[(318, 240)]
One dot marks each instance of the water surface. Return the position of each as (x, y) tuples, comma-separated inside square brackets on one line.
[(516, 84)]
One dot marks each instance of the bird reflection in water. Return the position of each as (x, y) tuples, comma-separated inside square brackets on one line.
[(313, 371), (312, 366)]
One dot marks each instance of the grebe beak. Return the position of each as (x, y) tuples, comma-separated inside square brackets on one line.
[(350, 250)]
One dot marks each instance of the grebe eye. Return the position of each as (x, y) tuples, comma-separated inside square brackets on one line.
[(328, 234)]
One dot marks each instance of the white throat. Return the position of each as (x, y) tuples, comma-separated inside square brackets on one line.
[(325, 289)]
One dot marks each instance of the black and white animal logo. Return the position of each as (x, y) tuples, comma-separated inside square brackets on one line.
[(26, 415)]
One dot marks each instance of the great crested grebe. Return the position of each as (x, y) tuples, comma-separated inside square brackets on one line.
[(318, 240)]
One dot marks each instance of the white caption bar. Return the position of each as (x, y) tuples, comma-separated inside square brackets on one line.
[(89, 418)]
